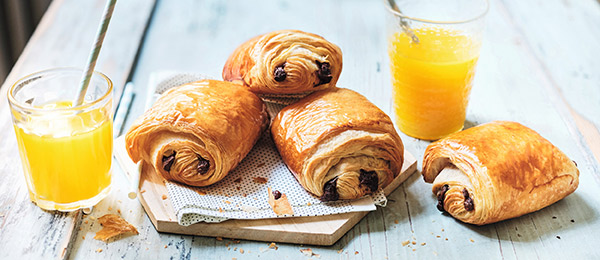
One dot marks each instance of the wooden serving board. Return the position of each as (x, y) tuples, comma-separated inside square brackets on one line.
[(321, 230)]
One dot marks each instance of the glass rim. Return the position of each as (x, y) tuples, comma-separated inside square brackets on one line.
[(13, 101), (476, 17)]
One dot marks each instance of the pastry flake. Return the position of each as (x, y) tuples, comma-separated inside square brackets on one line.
[(112, 226), (279, 203)]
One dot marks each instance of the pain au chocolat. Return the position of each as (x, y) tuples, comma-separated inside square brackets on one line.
[(497, 171), (337, 144), (198, 132), (285, 62)]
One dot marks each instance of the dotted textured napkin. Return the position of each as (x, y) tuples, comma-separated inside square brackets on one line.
[(243, 193)]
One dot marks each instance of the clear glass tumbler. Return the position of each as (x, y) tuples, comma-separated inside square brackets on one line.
[(433, 47), (66, 150)]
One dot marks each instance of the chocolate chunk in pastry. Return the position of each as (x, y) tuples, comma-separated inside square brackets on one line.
[(338, 144), (497, 171), (285, 62), (198, 132)]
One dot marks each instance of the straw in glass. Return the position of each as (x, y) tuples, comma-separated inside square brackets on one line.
[(87, 74), (405, 27)]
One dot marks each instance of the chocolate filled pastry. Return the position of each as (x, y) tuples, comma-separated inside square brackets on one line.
[(198, 132), (497, 171), (338, 145), (285, 62)]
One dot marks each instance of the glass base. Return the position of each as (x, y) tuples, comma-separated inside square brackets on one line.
[(66, 207), (427, 138)]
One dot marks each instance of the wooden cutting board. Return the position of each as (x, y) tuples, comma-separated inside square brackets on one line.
[(321, 230)]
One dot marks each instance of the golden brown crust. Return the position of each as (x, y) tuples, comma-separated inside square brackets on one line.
[(337, 133), (300, 54), (112, 226), (209, 120), (507, 169)]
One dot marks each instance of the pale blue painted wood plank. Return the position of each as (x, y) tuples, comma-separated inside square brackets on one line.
[(510, 85)]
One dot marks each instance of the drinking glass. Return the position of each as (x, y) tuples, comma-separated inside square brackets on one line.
[(433, 47), (66, 149)]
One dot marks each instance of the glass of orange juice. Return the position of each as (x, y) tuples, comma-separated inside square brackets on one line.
[(433, 46), (66, 150)]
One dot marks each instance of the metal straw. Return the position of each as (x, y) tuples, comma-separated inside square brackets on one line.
[(403, 23), (85, 78)]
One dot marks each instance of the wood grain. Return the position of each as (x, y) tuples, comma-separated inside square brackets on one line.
[(63, 38), (510, 85), (531, 50), (567, 53)]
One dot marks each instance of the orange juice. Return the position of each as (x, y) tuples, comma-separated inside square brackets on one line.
[(432, 80), (66, 158)]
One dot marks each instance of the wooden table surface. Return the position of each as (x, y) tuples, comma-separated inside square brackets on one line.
[(539, 65)]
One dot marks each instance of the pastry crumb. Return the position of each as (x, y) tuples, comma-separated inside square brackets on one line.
[(404, 243), (219, 238), (308, 204), (142, 191), (164, 197), (307, 252), (413, 242), (227, 202), (221, 210), (446, 239), (260, 180), (280, 206), (472, 241), (241, 250), (83, 237), (85, 222), (438, 236), (165, 246), (99, 250), (340, 251), (119, 211), (396, 221), (422, 244), (92, 218), (356, 252), (414, 249), (112, 226), (273, 245)]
